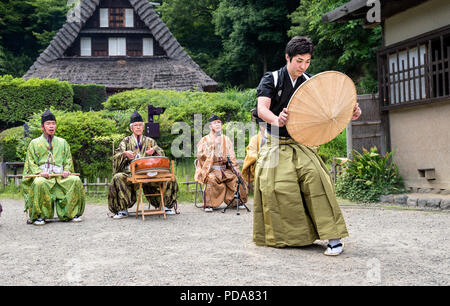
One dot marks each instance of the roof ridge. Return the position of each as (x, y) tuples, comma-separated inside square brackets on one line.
[(69, 32)]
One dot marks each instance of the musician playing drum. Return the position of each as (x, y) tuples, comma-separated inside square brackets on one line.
[(50, 161), (121, 193), (294, 202)]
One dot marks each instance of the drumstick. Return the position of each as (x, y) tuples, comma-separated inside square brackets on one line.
[(50, 175)]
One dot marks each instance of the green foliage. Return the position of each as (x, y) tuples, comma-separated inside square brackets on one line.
[(368, 176), (20, 98), (231, 105), (26, 28), (138, 99), (253, 34), (9, 141), (335, 148), (89, 97), (346, 47), (191, 23), (12, 64)]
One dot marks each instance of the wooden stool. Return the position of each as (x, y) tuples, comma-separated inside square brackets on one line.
[(161, 178)]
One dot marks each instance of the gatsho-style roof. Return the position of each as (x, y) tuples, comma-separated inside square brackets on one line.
[(177, 70)]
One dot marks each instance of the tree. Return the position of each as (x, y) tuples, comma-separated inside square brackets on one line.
[(26, 28), (254, 34), (346, 47), (191, 24)]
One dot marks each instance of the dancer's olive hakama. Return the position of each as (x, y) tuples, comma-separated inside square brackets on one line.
[(295, 202), (42, 195), (122, 194)]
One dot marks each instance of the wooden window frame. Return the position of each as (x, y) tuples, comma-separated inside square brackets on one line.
[(137, 51), (116, 18), (100, 18), (96, 42), (397, 84), (109, 46), (89, 40)]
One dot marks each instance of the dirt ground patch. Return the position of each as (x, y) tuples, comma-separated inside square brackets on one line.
[(385, 247)]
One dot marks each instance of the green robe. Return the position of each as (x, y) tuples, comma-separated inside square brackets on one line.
[(121, 193), (43, 195), (294, 202)]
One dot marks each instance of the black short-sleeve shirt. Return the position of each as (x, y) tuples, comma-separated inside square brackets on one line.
[(279, 96)]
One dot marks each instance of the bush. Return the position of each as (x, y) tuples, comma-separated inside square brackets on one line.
[(335, 148), (89, 97), (368, 176), (138, 99), (19, 99), (9, 141), (180, 107)]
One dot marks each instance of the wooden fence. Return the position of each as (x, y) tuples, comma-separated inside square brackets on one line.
[(368, 131)]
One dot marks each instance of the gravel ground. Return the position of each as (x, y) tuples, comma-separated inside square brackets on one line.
[(386, 247)]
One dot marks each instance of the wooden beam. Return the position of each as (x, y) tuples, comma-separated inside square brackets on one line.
[(343, 10)]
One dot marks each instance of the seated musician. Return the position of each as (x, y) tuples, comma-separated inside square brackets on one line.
[(248, 169), (121, 193), (49, 158), (212, 168)]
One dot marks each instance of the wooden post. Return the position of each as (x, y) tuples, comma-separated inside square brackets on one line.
[(113, 155), (3, 174), (85, 185), (187, 182), (106, 185), (349, 140)]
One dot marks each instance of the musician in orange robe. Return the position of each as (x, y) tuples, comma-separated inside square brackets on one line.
[(212, 168)]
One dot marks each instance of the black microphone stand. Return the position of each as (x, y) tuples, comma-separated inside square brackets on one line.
[(237, 195)]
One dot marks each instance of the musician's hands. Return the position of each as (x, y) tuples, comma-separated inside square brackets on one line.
[(238, 171), (283, 117), (65, 174), (129, 154), (45, 174), (356, 112), (150, 152)]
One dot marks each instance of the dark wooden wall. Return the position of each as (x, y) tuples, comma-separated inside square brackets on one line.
[(368, 130)]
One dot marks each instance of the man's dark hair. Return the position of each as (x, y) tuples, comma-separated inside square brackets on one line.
[(299, 45)]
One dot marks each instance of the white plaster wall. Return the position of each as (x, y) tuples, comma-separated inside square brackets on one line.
[(421, 138), (423, 18)]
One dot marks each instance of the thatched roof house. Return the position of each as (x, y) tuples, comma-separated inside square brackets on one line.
[(122, 44)]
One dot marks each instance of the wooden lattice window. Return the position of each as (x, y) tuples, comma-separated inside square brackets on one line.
[(415, 71), (134, 46), (99, 46), (116, 17)]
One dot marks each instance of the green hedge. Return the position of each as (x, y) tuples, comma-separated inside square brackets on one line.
[(9, 142), (231, 105), (140, 98), (89, 97), (19, 98)]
